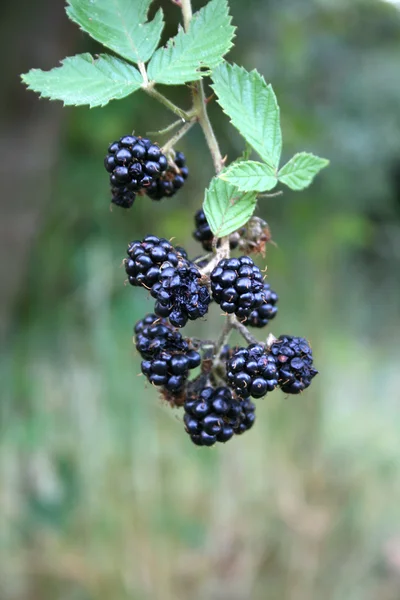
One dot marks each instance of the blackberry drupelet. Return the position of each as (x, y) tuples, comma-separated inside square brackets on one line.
[(134, 163), (146, 257), (213, 415), (168, 356), (294, 359), (252, 372), (205, 236), (180, 294), (261, 316), (170, 181), (237, 286)]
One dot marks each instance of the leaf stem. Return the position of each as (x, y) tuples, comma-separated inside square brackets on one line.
[(143, 72), (178, 135), (187, 13), (166, 129), (183, 114)]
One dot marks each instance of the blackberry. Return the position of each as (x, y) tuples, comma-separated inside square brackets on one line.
[(252, 372), (153, 334), (237, 286), (134, 163), (294, 359), (180, 294), (146, 257), (248, 416), (168, 356), (170, 181), (261, 316), (214, 415), (122, 197), (170, 369), (205, 236)]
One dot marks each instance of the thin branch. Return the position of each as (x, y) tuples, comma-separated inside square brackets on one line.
[(187, 12), (273, 195), (183, 114), (199, 102), (167, 129), (179, 134), (224, 336), (244, 332)]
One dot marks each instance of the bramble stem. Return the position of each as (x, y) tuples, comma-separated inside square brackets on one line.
[(244, 332), (187, 13), (166, 129), (224, 336), (200, 104), (179, 134), (183, 114)]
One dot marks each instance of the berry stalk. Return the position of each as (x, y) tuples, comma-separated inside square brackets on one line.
[(200, 104)]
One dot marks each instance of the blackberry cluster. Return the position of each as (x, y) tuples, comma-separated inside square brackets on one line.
[(146, 257), (171, 181), (252, 372), (261, 316), (134, 163), (294, 360), (205, 236), (237, 286), (179, 294), (168, 357), (215, 415)]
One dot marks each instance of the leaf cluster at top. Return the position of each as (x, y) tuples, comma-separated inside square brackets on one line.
[(122, 26)]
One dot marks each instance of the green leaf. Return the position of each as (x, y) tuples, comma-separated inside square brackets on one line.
[(189, 56), (299, 172), (252, 107), (82, 79), (226, 208), (250, 176), (120, 25)]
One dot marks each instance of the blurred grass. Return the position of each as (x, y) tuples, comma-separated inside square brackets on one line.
[(101, 494)]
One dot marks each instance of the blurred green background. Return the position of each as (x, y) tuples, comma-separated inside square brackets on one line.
[(102, 495)]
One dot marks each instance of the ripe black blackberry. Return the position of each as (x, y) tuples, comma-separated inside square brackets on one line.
[(122, 197), (252, 372), (146, 257), (261, 316), (170, 369), (168, 356), (248, 416), (134, 163), (171, 181), (294, 359), (214, 415), (237, 286), (153, 334), (180, 294), (205, 236)]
